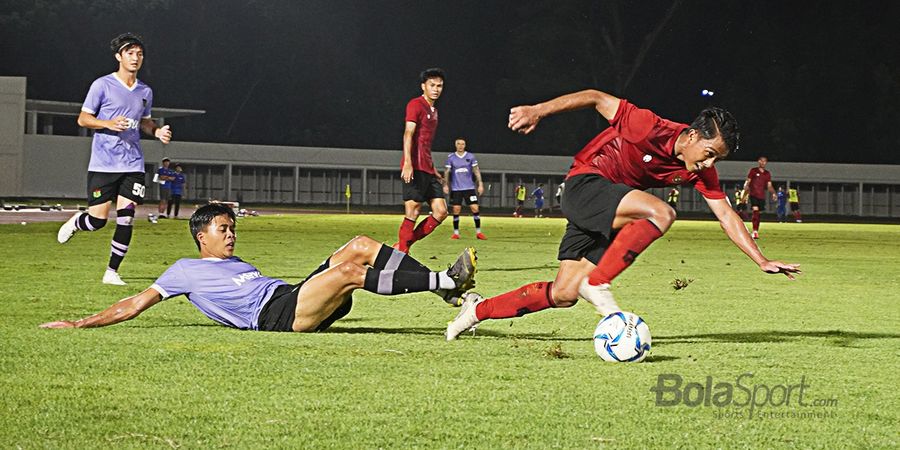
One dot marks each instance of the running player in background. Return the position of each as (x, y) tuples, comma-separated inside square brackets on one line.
[(538, 196), (794, 201), (520, 200), (235, 294), (758, 181), (178, 181), (462, 180), (611, 220), (740, 204), (781, 204), (672, 198), (421, 182), (116, 108)]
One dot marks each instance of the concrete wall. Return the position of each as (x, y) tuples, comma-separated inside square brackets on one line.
[(12, 129)]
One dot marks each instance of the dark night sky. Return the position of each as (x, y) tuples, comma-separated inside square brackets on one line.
[(808, 81)]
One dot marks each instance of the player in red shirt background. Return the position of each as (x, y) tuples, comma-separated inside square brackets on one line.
[(758, 181), (421, 183), (610, 219)]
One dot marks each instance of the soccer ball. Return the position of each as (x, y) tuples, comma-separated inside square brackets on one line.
[(622, 337)]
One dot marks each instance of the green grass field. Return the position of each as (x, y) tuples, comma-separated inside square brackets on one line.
[(384, 376)]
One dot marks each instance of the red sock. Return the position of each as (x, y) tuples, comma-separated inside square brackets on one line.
[(797, 215), (631, 240), (405, 235), (425, 228), (527, 299), (756, 220)]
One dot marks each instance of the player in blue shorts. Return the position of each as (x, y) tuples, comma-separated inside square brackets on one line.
[(462, 180), (235, 294), (117, 108), (538, 196)]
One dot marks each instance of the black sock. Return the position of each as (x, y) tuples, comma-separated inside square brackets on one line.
[(87, 222), (477, 220), (121, 238), (392, 282), (390, 259), (456, 223)]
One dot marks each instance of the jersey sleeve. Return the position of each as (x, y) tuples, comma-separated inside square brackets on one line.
[(149, 105), (447, 164), (474, 161), (708, 184), (172, 282), (413, 112), (632, 123), (95, 96)]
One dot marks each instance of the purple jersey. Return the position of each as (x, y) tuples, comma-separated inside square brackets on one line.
[(109, 97), (228, 291), (462, 171)]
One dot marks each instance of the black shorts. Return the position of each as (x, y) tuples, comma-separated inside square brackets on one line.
[(468, 196), (795, 206), (758, 202), (164, 193), (105, 187), (741, 206), (589, 206), (423, 187), (279, 312)]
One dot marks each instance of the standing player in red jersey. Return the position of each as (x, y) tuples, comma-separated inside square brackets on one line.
[(421, 182), (758, 181), (611, 220)]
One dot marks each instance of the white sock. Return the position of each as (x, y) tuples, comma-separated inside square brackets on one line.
[(444, 281)]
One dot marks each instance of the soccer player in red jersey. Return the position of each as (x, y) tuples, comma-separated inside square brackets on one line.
[(611, 220), (421, 182), (758, 181)]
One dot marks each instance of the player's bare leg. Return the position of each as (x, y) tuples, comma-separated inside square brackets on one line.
[(640, 219)]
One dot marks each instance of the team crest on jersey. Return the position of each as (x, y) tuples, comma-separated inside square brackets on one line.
[(677, 179), (647, 158), (97, 193)]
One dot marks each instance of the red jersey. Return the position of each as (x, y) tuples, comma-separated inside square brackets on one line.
[(638, 150), (426, 118), (759, 180)]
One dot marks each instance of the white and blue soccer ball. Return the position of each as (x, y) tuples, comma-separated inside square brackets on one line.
[(622, 337)]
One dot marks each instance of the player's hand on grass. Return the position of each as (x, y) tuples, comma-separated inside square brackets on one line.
[(58, 324), (164, 134), (117, 124), (406, 173), (523, 119), (779, 267)]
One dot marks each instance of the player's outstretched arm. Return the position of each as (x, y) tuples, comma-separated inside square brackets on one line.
[(524, 119), (125, 309), (87, 120), (737, 232)]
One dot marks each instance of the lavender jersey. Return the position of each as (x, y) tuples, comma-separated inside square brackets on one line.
[(109, 97), (228, 291), (462, 171)]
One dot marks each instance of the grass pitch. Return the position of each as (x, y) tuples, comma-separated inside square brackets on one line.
[(384, 377)]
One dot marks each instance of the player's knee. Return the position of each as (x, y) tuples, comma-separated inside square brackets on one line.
[(362, 244), (564, 296), (663, 216), (351, 272), (305, 325)]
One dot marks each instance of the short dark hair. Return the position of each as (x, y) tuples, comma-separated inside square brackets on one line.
[(434, 72), (204, 216), (125, 41), (714, 121)]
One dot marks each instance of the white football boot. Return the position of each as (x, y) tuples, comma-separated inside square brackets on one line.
[(599, 296), (466, 319), (113, 278), (68, 229)]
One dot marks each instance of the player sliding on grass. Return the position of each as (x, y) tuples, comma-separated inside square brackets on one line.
[(234, 293), (611, 220)]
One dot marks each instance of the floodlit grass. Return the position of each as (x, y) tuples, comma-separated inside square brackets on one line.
[(384, 377)]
